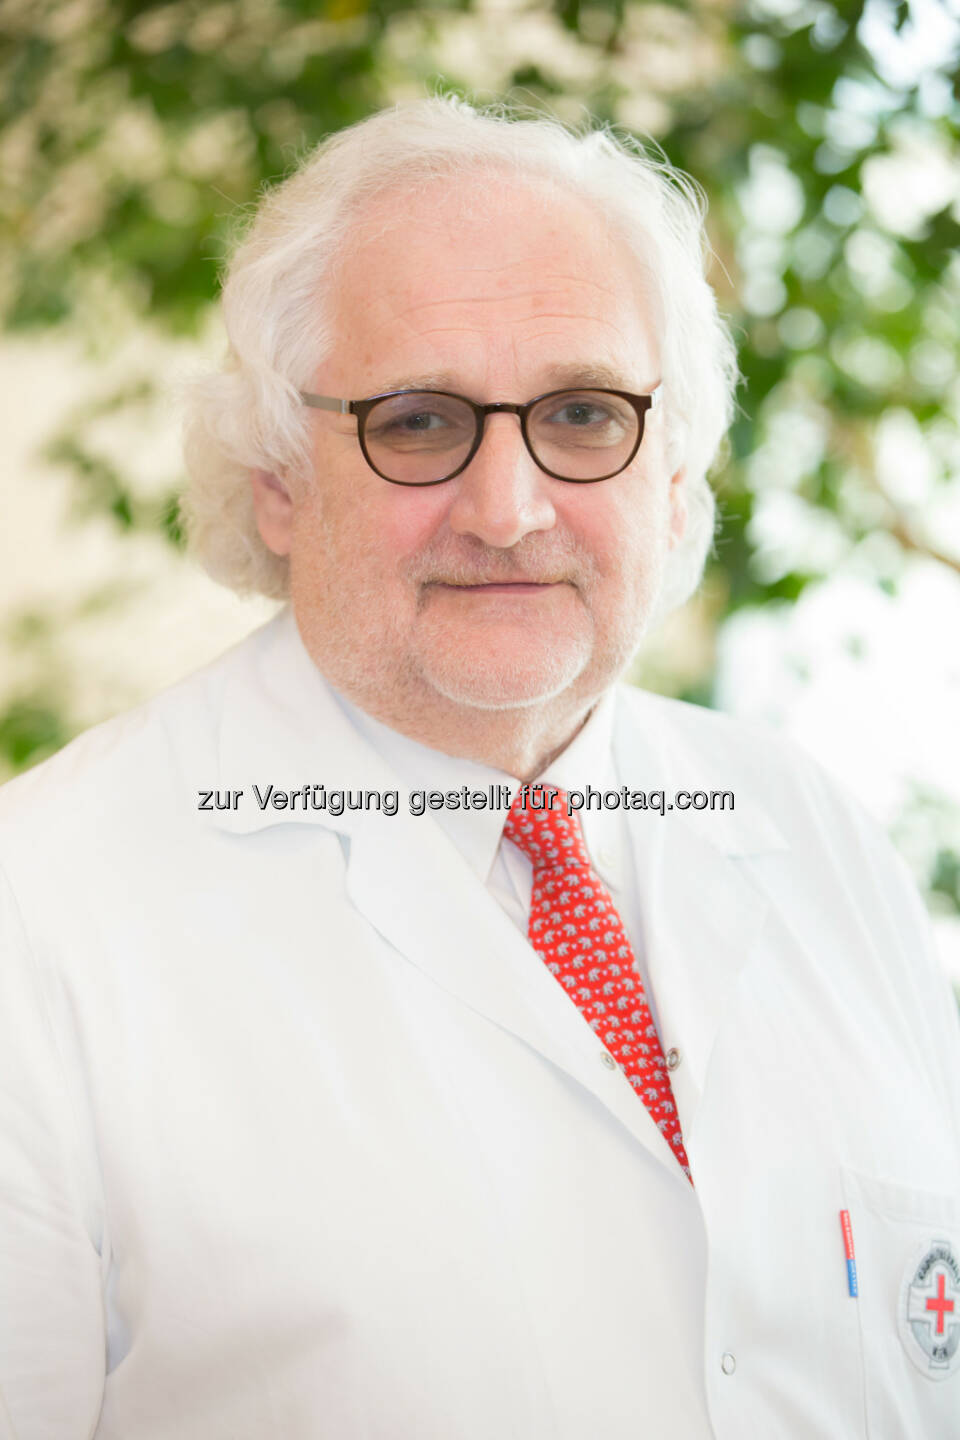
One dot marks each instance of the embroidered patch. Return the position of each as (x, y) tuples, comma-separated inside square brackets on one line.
[(929, 1311)]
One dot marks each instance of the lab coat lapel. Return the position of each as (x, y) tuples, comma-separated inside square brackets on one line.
[(704, 917), (705, 923), (426, 902)]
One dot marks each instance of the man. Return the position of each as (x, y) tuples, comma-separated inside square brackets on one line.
[(351, 1088)]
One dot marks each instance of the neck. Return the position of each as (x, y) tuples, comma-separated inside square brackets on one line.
[(522, 741)]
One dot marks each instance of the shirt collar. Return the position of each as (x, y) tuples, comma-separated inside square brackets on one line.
[(587, 760)]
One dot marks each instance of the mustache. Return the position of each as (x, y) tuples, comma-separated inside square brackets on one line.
[(536, 565), (501, 580)]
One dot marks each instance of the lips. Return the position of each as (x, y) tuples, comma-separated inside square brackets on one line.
[(506, 587), (520, 584)]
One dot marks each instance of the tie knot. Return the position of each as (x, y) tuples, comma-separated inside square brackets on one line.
[(541, 824)]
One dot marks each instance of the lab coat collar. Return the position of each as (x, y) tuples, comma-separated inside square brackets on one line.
[(655, 753), (282, 725)]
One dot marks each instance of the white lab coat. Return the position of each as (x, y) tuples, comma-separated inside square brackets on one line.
[(298, 1139)]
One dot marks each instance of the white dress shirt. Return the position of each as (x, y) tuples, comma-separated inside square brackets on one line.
[(587, 763)]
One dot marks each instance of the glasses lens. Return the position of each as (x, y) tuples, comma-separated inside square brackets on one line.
[(419, 436), (583, 434)]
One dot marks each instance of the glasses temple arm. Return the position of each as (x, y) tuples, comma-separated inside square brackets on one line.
[(324, 402)]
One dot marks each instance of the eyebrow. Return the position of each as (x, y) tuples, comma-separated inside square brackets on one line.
[(563, 376), (606, 376)]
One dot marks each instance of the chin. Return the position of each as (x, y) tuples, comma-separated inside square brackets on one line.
[(482, 682)]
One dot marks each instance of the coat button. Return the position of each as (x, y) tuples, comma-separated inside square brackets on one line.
[(728, 1363), (608, 1060), (673, 1059)]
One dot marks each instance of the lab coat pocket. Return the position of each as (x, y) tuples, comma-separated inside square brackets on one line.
[(906, 1243)]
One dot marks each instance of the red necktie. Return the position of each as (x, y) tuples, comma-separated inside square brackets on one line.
[(578, 934)]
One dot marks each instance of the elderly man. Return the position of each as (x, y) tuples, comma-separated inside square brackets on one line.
[(352, 1087)]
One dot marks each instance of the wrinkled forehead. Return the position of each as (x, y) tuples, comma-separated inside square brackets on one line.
[(487, 247), (468, 197)]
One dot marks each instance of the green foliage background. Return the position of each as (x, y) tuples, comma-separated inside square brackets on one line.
[(132, 134)]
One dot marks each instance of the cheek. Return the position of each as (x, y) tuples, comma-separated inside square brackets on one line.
[(630, 549), (625, 534), (353, 542), (395, 523), (405, 528)]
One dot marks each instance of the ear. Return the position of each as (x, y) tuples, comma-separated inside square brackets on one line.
[(273, 508), (678, 507)]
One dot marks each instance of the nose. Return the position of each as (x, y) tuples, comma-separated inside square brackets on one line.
[(502, 495)]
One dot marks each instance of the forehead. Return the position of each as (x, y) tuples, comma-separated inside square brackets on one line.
[(489, 276)]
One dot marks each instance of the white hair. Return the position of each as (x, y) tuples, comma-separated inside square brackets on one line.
[(248, 415)]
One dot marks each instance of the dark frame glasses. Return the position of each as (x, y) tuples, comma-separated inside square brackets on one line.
[(362, 409)]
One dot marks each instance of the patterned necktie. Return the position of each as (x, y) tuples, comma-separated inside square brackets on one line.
[(578, 934)]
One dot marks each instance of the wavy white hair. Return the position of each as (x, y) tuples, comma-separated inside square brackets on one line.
[(248, 416)]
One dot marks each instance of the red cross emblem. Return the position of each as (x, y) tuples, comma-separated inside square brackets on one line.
[(940, 1303), (929, 1316)]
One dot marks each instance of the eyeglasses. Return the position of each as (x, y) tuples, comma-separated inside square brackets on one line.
[(423, 437)]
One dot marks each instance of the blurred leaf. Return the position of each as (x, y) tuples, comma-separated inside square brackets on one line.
[(30, 730), (945, 880)]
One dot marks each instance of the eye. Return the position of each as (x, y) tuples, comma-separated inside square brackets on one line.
[(406, 420), (580, 412), (584, 418), (417, 420), (420, 419)]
